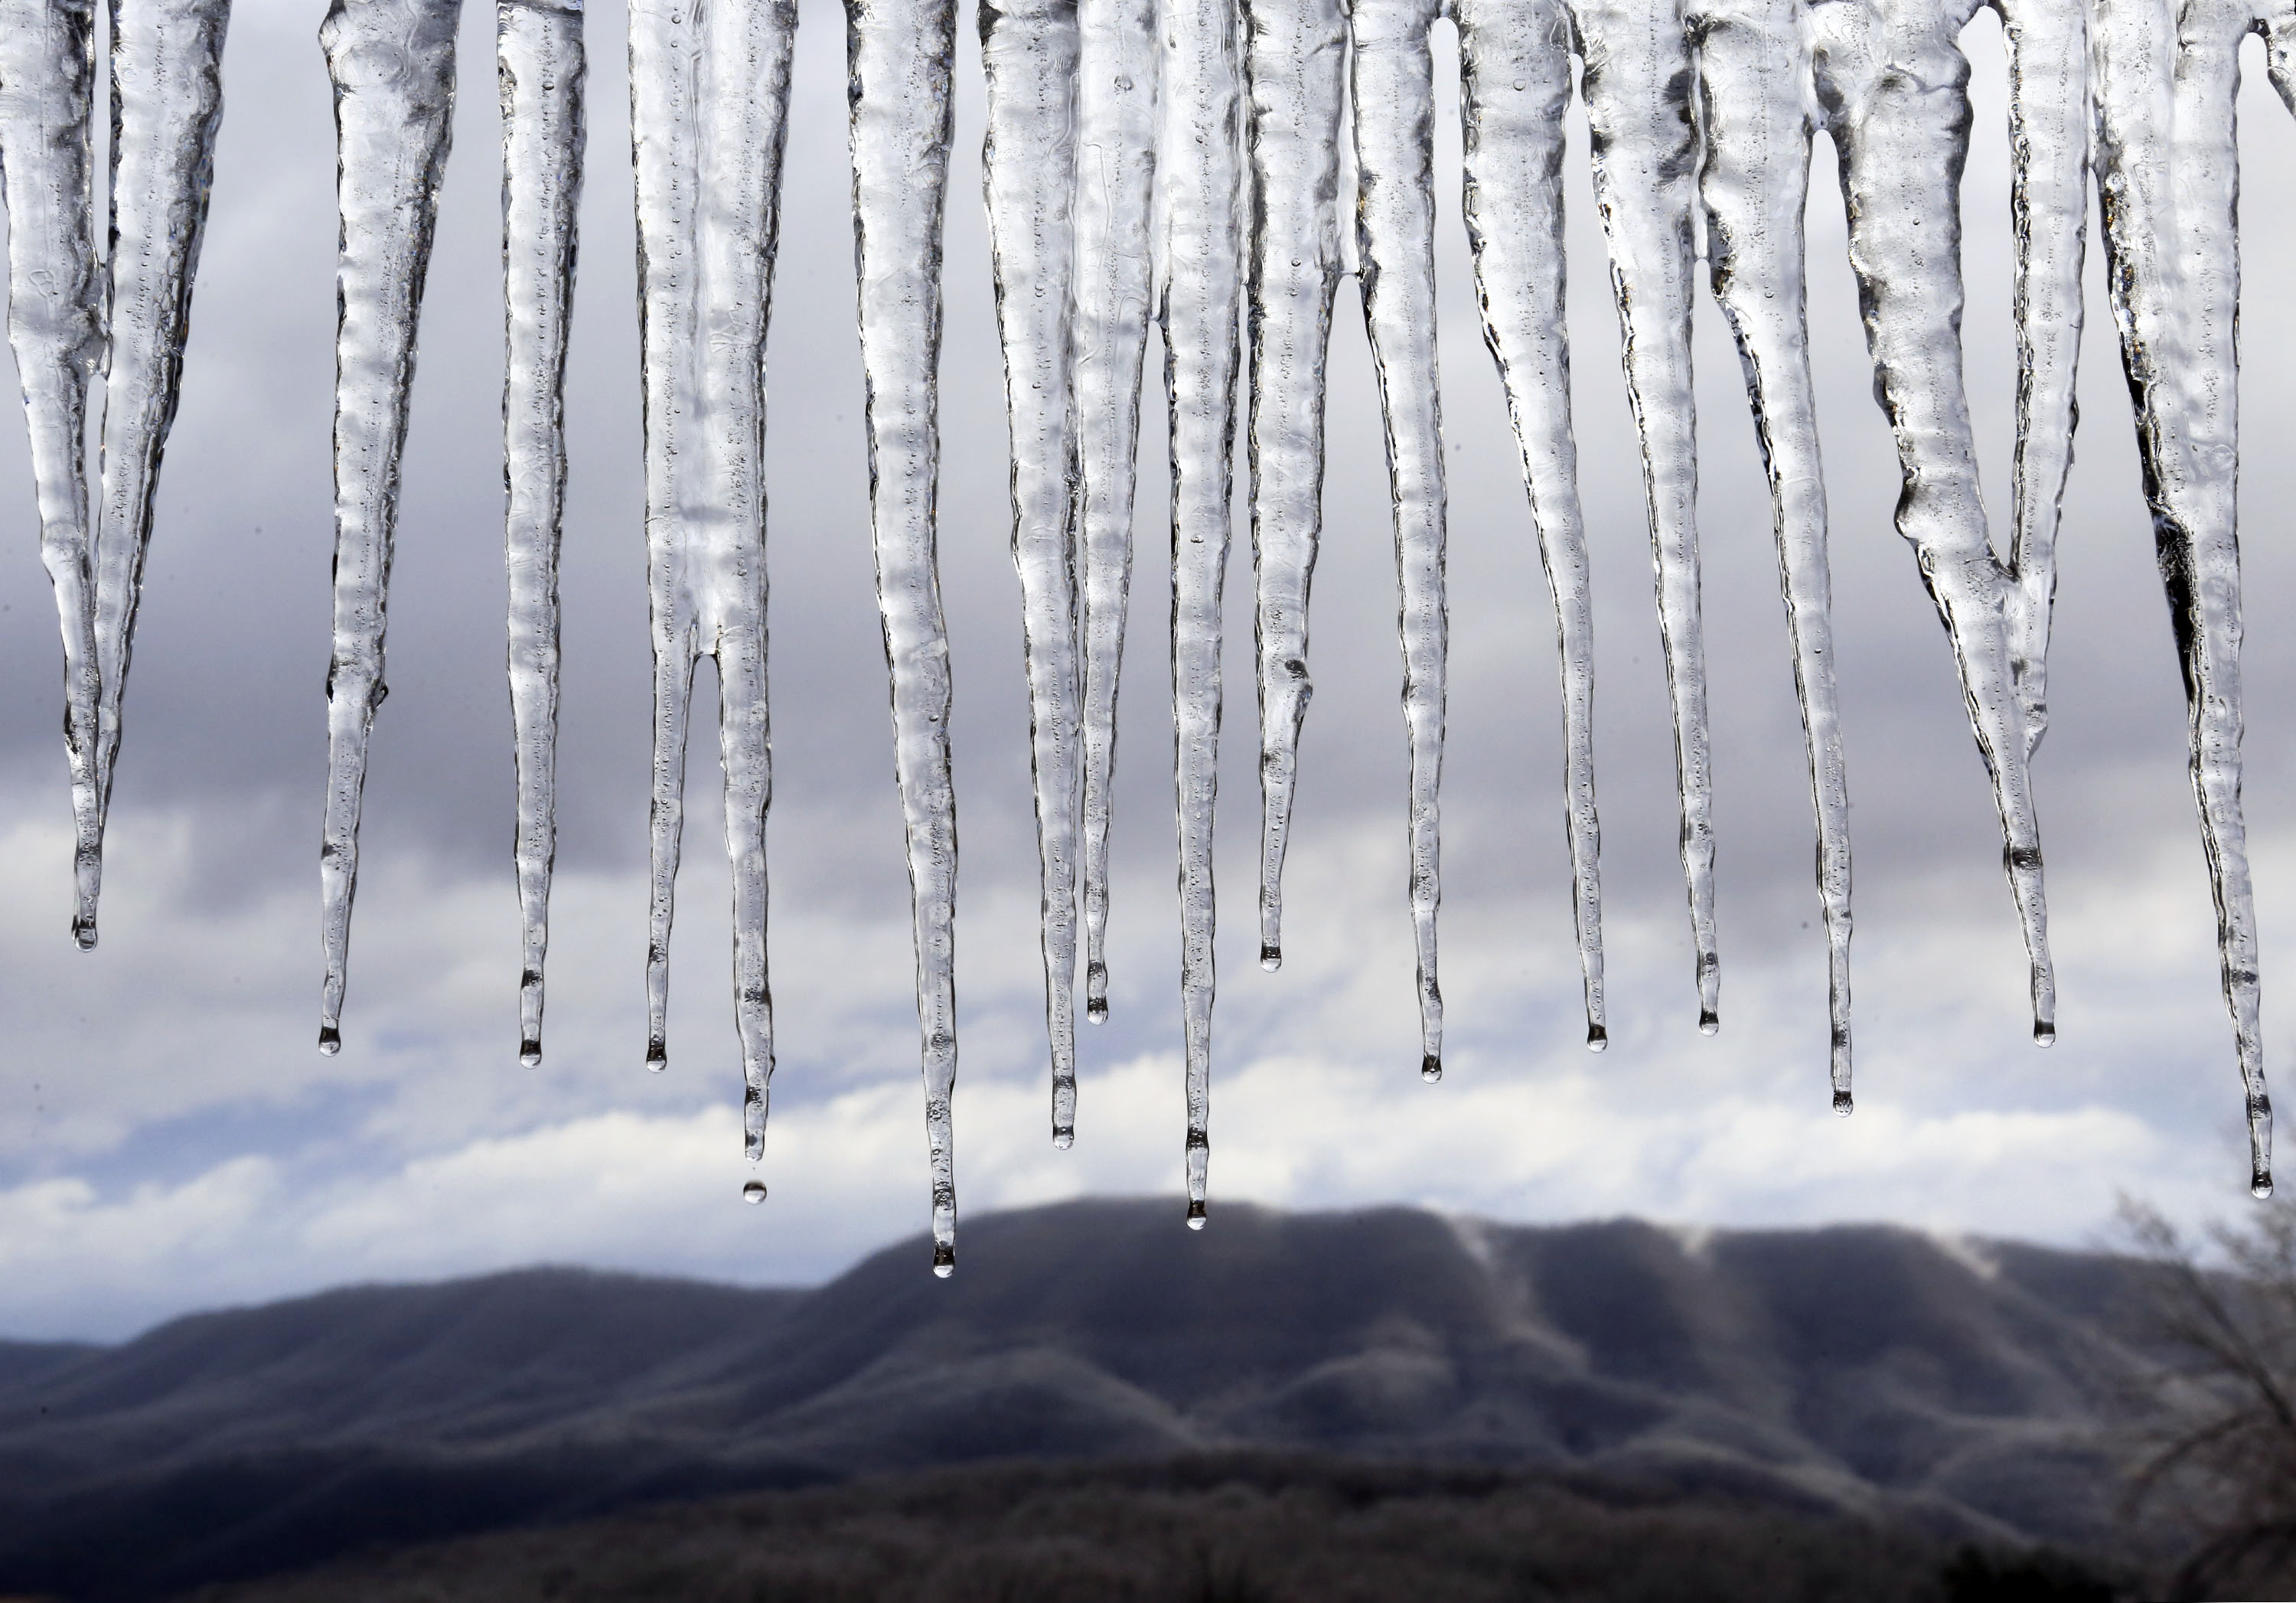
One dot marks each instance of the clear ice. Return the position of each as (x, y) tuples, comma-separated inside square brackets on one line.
[(392, 62), (55, 327), (898, 59), (1516, 67), (539, 66), (1028, 176), (708, 115), (167, 105), (1200, 213), (1117, 65), (1295, 67)]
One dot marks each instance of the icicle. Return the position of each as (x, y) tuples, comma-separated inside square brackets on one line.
[(1198, 297), (1893, 77), (540, 66), (166, 104), (393, 66), (709, 113), (1028, 174), (2168, 176), (1754, 92), (1515, 66), (48, 68), (898, 59), (1116, 162), (2048, 214), (1643, 139), (1295, 61), (1393, 93)]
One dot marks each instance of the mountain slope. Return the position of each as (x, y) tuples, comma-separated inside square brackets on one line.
[(1862, 1370)]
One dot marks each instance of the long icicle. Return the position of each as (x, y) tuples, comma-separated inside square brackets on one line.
[(2048, 218), (392, 62), (1393, 93), (1295, 65), (47, 70), (1116, 165), (1516, 67), (1893, 77), (1643, 137), (899, 54), (1754, 96), (1028, 174), (2168, 178), (167, 105), (708, 116), (1198, 297), (539, 68)]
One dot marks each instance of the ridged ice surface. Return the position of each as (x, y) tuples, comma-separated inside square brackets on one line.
[(1029, 172), (166, 104), (1753, 62), (1894, 81), (1117, 64), (1515, 63), (709, 113), (539, 68), (1394, 99), (1199, 296), (1643, 137), (1295, 68), (392, 62), (2167, 179), (47, 71), (898, 56), (2048, 207)]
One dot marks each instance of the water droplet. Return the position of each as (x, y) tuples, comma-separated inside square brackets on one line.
[(1064, 1139), (944, 1260), (1196, 1214), (1597, 1038), (1843, 1104), (530, 1052), (1710, 1024), (657, 1056), (1430, 1068), (330, 1039), (1096, 1010), (1271, 957), (2045, 1033), (754, 1192), (85, 933)]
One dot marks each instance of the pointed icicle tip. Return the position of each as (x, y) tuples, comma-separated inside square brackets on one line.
[(944, 1260), (1597, 1038), (1710, 1023), (754, 1192), (1271, 957), (330, 1039), (1843, 1104), (1064, 1136), (1430, 1068), (530, 1054), (1196, 1214)]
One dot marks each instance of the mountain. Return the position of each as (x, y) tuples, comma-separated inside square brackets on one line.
[(1864, 1369)]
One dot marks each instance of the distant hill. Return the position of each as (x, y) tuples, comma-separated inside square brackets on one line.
[(1869, 1371)]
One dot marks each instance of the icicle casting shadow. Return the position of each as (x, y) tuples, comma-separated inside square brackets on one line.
[(1187, 162)]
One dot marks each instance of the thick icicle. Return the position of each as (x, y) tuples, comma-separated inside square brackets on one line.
[(2167, 181), (48, 68), (1754, 90), (1199, 293), (393, 66), (1894, 80), (898, 56), (1028, 174), (1295, 64), (2048, 216), (166, 104), (1116, 163), (540, 68), (1643, 139), (1394, 100), (1515, 65), (709, 113)]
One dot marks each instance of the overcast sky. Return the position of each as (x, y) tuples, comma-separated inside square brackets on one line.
[(170, 1139)]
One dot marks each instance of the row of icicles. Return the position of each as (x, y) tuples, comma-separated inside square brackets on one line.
[(1186, 160)]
